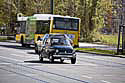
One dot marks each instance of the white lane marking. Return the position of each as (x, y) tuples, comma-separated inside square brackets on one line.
[(24, 56), (85, 76), (1, 64), (16, 55), (90, 64), (108, 75), (28, 63), (11, 59), (85, 63), (105, 59), (105, 81), (4, 63)]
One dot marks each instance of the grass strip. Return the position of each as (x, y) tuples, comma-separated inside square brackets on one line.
[(98, 51), (2, 39)]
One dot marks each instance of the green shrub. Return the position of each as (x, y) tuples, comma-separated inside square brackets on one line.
[(110, 39)]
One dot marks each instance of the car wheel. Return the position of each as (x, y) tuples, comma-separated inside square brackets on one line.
[(36, 49), (27, 45), (51, 59), (73, 60), (40, 56), (61, 60)]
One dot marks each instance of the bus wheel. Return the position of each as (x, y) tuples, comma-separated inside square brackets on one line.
[(61, 60), (22, 42)]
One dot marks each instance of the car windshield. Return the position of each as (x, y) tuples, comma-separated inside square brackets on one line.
[(60, 41)]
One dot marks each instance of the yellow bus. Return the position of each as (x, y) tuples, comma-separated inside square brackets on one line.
[(40, 24)]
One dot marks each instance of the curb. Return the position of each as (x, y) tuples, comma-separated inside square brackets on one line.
[(120, 56)]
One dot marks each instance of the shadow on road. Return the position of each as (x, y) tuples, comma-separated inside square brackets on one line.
[(45, 62), (31, 52), (17, 47)]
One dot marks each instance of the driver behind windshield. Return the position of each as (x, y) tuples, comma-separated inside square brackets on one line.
[(59, 41)]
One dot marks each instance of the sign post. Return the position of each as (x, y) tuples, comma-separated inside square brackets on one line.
[(118, 47), (123, 39), (52, 6), (121, 30)]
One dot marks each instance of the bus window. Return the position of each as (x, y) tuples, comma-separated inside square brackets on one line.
[(75, 24), (42, 27), (31, 27), (66, 24), (23, 27)]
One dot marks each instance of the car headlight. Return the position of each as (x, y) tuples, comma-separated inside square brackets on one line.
[(57, 50), (73, 51)]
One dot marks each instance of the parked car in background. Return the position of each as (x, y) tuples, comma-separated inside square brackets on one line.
[(56, 46)]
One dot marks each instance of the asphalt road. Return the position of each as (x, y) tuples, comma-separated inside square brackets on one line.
[(22, 65)]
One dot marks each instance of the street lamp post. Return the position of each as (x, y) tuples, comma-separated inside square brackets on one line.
[(52, 6)]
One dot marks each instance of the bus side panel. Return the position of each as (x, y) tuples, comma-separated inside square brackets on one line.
[(18, 37), (74, 35)]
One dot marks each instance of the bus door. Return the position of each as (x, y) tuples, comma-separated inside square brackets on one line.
[(21, 27), (30, 31), (42, 27)]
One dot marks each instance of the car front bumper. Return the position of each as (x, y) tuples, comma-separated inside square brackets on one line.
[(65, 56)]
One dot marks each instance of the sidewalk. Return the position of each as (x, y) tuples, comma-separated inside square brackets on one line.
[(101, 47), (97, 46)]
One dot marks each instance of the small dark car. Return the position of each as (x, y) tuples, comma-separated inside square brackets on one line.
[(57, 46)]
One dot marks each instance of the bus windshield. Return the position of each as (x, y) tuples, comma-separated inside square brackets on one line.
[(21, 27), (66, 23)]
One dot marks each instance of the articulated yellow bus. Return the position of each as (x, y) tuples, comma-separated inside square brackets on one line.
[(39, 24)]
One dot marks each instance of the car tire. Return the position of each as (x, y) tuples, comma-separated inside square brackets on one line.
[(36, 49), (40, 56), (61, 60), (73, 60), (51, 59), (27, 45)]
